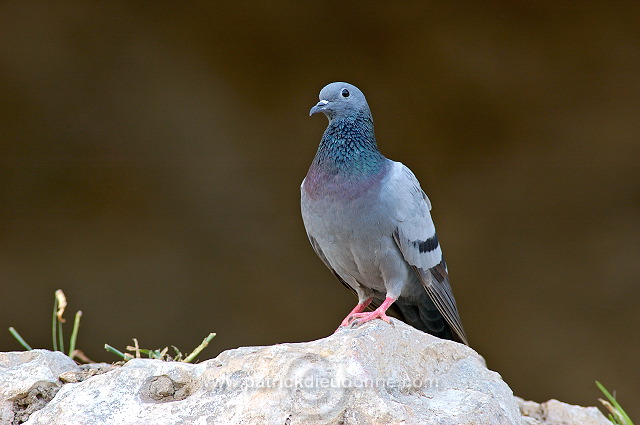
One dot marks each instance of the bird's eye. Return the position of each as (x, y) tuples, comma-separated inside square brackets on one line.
[(345, 93)]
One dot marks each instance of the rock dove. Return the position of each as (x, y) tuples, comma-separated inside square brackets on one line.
[(369, 222)]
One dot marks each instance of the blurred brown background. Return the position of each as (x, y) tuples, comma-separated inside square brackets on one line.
[(151, 157)]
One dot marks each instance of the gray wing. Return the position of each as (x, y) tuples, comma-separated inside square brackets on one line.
[(417, 240)]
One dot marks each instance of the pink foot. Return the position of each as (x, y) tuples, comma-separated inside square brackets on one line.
[(357, 309), (358, 319)]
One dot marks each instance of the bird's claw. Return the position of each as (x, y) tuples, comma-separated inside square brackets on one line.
[(358, 319)]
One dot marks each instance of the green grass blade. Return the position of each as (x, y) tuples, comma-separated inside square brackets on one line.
[(618, 416), (17, 336), (199, 348), (54, 325), (116, 352), (60, 337), (74, 333)]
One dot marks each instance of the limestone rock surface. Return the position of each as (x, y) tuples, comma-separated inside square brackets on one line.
[(373, 374), (28, 381), (554, 412)]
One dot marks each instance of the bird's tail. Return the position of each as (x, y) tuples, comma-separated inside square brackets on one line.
[(424, 315)]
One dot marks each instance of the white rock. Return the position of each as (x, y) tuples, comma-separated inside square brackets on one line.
[(28, 380), (554, 412), (373, 374)]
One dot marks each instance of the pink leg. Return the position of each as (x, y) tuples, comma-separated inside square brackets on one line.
[(378, 313), (357, 309)]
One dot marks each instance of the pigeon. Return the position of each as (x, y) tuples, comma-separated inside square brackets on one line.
[(369, 221)]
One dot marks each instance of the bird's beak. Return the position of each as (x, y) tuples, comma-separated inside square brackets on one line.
[(318, 107)]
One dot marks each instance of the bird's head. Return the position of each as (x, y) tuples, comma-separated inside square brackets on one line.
[(340, 100)]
